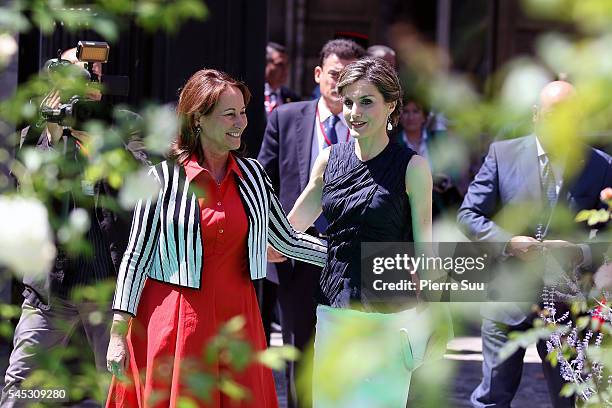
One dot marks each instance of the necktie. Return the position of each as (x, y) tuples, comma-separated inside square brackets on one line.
[(549, 185), (270, 102), (329, 126)]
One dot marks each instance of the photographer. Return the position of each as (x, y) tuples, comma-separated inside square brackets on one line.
[(49, 314)]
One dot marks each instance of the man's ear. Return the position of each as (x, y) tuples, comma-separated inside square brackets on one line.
[(317, 74)]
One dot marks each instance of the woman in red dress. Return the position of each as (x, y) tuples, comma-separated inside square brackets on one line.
[(193, 252)]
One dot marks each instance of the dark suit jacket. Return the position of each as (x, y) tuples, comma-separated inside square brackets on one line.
[(285, 152), (510, 178), (287, 95)]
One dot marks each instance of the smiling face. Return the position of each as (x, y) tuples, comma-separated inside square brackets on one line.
[(365, 109), (222, 128)]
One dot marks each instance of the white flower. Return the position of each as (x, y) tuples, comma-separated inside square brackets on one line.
[(8, 47), (161, 128), (79, 220), (603, 277), (26, 240), (522, 85), (137, 186)]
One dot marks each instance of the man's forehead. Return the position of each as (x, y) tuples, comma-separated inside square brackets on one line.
[(335, 63)]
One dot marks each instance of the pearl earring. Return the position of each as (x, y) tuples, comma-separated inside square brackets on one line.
[(198, 130), (389, 125)]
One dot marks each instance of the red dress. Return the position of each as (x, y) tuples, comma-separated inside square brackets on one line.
[(173, 324)]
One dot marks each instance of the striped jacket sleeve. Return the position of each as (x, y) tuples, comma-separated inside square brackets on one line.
[(141, 249), (287, 240)]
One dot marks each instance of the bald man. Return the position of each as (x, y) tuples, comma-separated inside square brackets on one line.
[(383, 52), (529, 181)]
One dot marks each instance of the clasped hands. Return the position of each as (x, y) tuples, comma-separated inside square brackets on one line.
[(528, 249)]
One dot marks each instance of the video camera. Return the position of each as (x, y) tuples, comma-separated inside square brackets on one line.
[(75, 108)]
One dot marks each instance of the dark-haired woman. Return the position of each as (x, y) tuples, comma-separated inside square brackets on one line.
[(432, 145), (370, 190), (193, 251)]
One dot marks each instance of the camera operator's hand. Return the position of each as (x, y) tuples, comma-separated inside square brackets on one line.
[(52, 100), (80, 135), (93, 94)]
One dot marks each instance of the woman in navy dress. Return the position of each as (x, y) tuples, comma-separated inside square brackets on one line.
[(369, 190)]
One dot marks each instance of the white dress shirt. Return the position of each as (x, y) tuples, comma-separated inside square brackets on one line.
[(318, 141)]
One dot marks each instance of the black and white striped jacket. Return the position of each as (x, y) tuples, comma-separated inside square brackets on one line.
[(166, 243)]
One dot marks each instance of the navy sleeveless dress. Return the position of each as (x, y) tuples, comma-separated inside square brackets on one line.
[(363, 202)]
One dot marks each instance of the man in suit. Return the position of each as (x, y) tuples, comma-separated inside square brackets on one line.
[(536, 178), (276, 93), (295, 135), (277, 71)]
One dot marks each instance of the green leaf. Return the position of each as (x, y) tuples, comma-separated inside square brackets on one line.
[(107, 28), (44, 17), (568, 390), (186, 402), (583, 215), (240, 353), (234, 325), (12, 20), (524, 339), (599, 216), (583, 322), (276, 357), (201, 384), (232, 389), (553, 358)]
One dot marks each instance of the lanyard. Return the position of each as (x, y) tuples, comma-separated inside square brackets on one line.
[(329, 143)]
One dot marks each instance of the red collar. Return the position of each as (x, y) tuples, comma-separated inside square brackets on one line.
[(193, 168)]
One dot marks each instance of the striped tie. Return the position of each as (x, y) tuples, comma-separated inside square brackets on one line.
[(549, 185)]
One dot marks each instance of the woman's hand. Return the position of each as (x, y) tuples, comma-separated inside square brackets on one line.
[(117, 355), (274, 256)]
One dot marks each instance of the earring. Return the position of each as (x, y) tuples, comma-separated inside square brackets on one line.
[(198, 130), (389, 125)]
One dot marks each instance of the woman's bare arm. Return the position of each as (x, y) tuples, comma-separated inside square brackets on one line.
[(307, 208)]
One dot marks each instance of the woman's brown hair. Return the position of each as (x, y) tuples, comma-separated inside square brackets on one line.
[(200, 95), (381, 74)]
